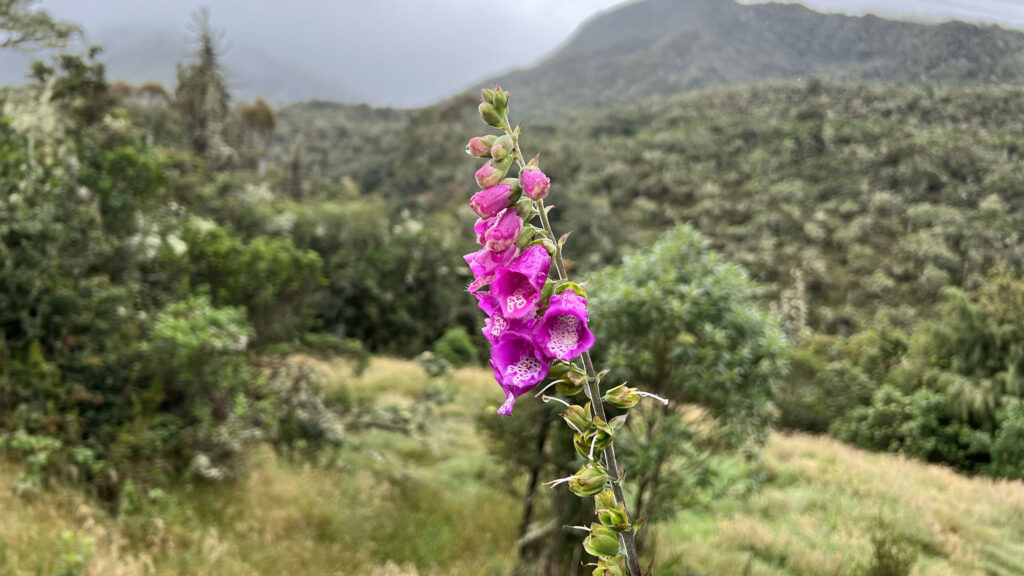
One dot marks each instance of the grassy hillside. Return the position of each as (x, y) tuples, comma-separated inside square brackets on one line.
[(658, 47), (388, 504)]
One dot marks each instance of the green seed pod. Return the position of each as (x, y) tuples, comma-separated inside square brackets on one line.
[(606, 499), (588, 481), (611, 513), (622, 396), (568, 388), (610, 566), (578, 418), (558, 369), (602, 542)]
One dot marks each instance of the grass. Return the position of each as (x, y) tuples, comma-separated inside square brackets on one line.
[(825, 500), (431, 503)]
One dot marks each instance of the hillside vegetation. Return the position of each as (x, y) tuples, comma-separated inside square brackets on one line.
[(393, 504), (661, 47)]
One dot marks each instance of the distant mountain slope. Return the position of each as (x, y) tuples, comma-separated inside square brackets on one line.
[(666, 46), (137, 55)]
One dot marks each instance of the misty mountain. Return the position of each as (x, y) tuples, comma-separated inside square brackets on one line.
[(657, 47), (136, 55)]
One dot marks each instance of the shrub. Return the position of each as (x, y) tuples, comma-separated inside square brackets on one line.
[(456, 347)]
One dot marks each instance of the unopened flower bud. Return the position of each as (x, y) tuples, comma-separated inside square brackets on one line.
[(602, 541), (526, 238), (622, 396), (480, 146), (535, 183), (512, 183), (491, 115), (588, 481), (492, 172), (488, 202), (500, 99), (611, 566), (577, 417), (487, 95), (502, 147)]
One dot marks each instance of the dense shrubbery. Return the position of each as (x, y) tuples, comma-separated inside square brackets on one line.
[(957, 395)]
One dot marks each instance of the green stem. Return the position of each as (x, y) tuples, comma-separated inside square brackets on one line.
[(626, 538)]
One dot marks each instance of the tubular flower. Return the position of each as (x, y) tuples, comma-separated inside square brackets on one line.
[(489, 201), (535, 184), (484, 264), (518, 367), (496, 325), (518, 287), (502, 231), (563, 332)]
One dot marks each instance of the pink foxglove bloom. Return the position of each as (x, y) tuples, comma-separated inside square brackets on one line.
[(489, 201), (496, 325), (563, 332), (518, 367), (518, 286), (535, 184), (480, 226), (502, 230), (485, 263)]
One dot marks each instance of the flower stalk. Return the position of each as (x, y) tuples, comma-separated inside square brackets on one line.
[(538, 326), (593, 386)]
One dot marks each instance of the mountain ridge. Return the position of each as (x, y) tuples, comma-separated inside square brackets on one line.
[(660, 47)]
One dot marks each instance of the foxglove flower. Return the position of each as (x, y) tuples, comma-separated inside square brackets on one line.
[(535, 184), (518, 286), (489, 201), (497, 325), (563, 332), (502, 231), (518, 367), (480, 226), (485, 263)]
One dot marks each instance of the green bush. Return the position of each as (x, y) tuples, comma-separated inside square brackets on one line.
[(456, 347), (679, 321)]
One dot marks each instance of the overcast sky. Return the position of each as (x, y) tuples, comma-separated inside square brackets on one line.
[(413, 52)]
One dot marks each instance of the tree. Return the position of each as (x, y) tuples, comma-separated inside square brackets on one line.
[(202, 97), (23, 28), (258, 121), (680, 322)]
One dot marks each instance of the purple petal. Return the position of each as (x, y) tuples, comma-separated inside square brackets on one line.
[(563, 331)]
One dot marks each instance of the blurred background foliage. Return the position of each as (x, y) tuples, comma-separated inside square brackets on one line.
[(192, 288)]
